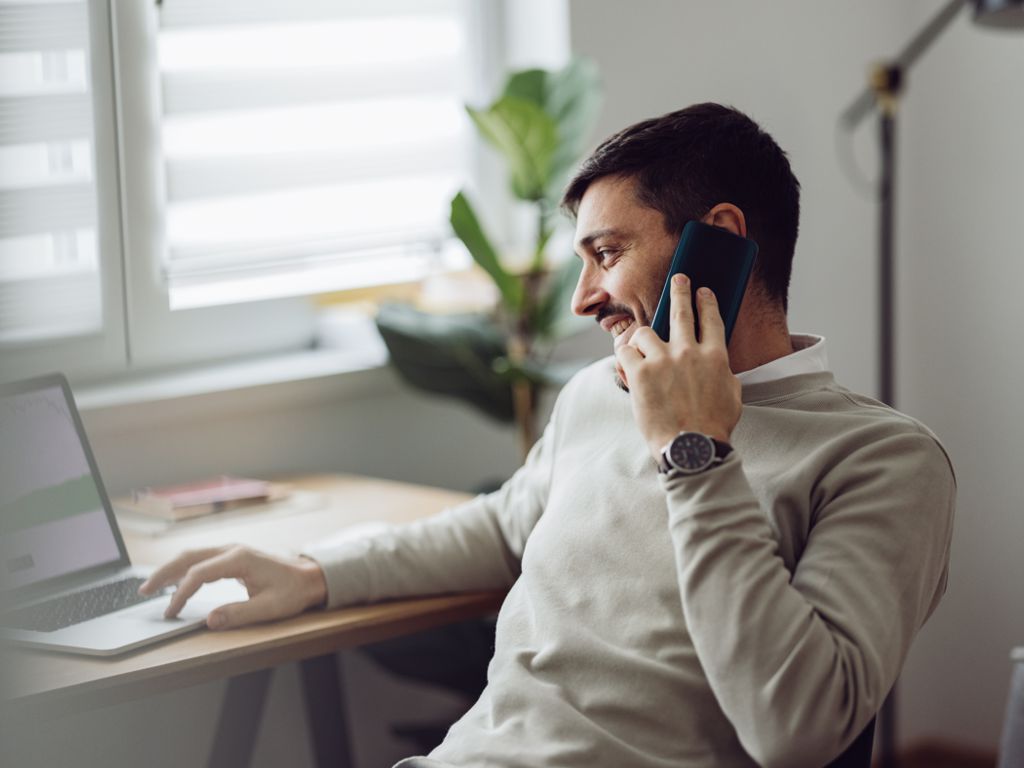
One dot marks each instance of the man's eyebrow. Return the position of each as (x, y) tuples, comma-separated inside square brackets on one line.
[(597, 234)]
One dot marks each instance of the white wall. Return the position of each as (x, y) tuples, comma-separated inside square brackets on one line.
[(961, 369), (793, 65)]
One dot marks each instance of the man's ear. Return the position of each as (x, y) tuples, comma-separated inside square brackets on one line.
[(728, 217)]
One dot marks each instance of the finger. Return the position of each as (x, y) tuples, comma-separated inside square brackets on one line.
[(682, 328), (712, 327), (229, 565), (628, 356), (171, 572), (646, 341), (243, 613)]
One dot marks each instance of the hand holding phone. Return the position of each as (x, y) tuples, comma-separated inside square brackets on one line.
[(714, 258), (672, 391)]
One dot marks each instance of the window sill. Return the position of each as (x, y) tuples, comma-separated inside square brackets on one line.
[(252, 385)]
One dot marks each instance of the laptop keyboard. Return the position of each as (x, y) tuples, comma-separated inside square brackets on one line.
[(77, 607)]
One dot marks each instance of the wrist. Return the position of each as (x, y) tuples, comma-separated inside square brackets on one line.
[(690, 453), (315, 582), (662, 439)]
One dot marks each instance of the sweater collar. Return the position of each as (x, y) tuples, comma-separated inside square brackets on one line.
[(776, 390), (808, 356)]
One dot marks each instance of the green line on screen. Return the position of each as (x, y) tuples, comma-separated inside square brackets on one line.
[(47, 505)]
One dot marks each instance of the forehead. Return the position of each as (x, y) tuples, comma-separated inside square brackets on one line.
[(610, 203)]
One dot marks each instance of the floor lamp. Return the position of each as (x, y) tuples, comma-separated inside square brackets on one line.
[(886, 84)]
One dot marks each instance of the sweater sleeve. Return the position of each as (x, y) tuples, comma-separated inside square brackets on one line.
[(801, 662), (474, 546)]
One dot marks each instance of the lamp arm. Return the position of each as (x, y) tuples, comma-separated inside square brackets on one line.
[(904, 60)]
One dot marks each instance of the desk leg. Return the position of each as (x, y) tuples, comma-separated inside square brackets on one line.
[(239, 720), (325, 709)]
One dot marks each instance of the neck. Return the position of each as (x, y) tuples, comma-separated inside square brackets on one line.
[(751, 347)]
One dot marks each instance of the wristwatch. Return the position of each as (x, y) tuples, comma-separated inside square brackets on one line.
[(689, 453)]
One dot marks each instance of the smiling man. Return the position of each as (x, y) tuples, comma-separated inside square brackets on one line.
[(723, 560)]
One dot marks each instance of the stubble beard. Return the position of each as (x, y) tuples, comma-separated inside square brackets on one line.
[(620, 383)]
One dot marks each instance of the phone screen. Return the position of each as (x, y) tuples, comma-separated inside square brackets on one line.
[(714, 258)]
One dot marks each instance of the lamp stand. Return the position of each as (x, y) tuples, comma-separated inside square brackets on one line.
[(887, 88), (886, 82)]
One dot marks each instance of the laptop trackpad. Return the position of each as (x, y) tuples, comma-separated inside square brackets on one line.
[(208, 597)]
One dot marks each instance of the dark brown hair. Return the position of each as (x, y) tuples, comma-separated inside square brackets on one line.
[(686, 162)]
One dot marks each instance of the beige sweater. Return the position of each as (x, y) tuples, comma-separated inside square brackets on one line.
[(756, 613)]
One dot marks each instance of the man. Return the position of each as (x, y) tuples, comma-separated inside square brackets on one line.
[(753, 604)]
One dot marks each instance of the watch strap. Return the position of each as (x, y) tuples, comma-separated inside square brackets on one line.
[(722, 449)]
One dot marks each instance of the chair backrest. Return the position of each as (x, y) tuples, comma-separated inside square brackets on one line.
[(1011, 749), (858, 754)]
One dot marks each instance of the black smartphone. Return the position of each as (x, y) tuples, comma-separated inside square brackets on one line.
[(714, 258)]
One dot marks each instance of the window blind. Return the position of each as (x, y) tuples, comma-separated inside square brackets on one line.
[(308, 145), (49, 262)]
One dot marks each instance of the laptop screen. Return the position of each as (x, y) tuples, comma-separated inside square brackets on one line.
[(52, 517)]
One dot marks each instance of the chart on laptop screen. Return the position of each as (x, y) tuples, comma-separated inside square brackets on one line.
[(52, 520)]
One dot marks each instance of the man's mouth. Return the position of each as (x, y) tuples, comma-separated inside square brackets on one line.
[(615, 320), (620, 327)]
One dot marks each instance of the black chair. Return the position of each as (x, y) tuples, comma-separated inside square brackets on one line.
[(858, 754)]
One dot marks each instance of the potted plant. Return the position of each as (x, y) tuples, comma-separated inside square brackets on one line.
[(499, 361)]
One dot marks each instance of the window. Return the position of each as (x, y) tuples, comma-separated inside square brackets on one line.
[(307, 145), (278, 149), (255, 153), (60, 290), (48, 237)]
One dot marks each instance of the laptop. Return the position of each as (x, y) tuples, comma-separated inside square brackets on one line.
[(66, 582)]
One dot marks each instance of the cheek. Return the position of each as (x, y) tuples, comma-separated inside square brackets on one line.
[(648, 303), (641, 294), (629, 292)]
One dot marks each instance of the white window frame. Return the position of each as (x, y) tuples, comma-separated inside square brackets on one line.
[(139, 332), (159, 337), (102, 352)]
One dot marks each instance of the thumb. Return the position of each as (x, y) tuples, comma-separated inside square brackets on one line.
[(238, 614)]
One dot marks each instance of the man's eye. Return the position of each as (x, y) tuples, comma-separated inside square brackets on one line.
[(606, 254)]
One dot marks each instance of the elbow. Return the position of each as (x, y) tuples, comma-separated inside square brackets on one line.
[(797, 753), (808, 747)]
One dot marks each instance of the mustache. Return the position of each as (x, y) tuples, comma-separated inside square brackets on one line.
[(613, 309)]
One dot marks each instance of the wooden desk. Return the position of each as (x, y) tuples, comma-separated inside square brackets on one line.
[(50, 684)]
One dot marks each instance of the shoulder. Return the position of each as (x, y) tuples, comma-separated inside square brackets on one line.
[(821, 422), (887, 437)]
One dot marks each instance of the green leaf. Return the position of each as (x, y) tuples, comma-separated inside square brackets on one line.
[(451, 355), (555, 305), (526, 136), (467, 227), (543, 237), (529, 85), (574, 101)]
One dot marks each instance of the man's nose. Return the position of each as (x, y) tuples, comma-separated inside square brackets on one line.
[(589, 296)]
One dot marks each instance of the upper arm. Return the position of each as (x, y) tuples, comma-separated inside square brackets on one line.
[(800, 661), (878, 550)]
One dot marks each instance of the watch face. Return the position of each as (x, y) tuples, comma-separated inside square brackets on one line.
[(691, 451)]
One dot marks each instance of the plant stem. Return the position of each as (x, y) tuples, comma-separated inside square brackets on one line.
[(542, 238), (523, 396)]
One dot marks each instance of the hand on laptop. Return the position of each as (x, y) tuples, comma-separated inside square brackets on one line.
[(277, 587)]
